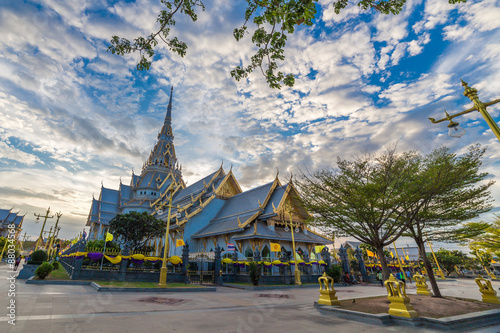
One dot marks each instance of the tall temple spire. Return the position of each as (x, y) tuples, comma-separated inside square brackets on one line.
[(163, 154), (168, 117)]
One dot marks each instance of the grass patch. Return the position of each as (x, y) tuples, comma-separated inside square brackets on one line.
[(58, 274), (127, 284)]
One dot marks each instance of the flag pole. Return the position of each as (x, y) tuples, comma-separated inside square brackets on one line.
[(103, 251)]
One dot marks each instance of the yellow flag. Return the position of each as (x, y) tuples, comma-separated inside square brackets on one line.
[(407, 258), (109, 237), (370, 253), (318, 248), (392, 255), (179, 242), (493, 261), (275, 247)]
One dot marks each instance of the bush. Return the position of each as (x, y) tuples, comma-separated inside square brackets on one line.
[(39, 255), (335, 271), (55, 264), (43, 270), (255, 272)]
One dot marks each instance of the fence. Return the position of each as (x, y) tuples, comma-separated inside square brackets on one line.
[(83, 263)]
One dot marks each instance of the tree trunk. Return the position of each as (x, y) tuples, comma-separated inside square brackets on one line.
[(383, 262), (428, 267)]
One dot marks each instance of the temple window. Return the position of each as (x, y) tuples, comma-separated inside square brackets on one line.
[(249, 252), (266, 253)]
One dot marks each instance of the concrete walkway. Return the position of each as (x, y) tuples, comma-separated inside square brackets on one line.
[(52, 308)]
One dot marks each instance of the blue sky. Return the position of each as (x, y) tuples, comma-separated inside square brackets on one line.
[(73, 115)]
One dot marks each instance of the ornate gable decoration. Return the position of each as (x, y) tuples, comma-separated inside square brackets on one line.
[(228, 187)]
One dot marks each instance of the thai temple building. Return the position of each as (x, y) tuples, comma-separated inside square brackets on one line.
[(8, 217), (213, 211)]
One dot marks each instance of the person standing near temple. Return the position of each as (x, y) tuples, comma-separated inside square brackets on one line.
[(380, 277)]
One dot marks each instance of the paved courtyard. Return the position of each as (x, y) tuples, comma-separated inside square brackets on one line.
[(53, 308)]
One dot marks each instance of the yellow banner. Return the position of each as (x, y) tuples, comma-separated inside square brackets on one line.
[(318, 248), (370, 253), (109, 237), (275, 247), (179, 242)]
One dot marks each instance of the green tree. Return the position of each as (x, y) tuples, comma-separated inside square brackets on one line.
[(447, 191), (136, 229), (489, 239), (274, 20), (483, 258), (255, 272), (449, 259), (363, 198)]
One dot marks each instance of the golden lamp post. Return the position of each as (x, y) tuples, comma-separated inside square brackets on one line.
[(440, 272), (56, 229), (454, 128), (292, 226), (163, 271), (43, 226)]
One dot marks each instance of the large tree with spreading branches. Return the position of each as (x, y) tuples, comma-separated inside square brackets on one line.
[(377, 199), (448, 191), (363, 198), (135, 229), (273, 21)]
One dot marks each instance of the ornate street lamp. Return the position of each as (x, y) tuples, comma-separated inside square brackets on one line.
[(454, 129), (163, 271), (297, 230)]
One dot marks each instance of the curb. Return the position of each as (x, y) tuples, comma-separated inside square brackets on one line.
[(244, 287), (98, 288), (32, 280), (467, 321)]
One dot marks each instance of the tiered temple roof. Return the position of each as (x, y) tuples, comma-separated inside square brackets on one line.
[(7, 217)]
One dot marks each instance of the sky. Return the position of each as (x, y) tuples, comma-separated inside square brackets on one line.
[(73, 115)]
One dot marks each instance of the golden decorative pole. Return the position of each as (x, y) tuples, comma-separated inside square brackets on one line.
[(48, 238), (43, 226), (491, 275), (53, 235), (440, 272), (471, 93), (163, 271), (296, 268), (397, 256)]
